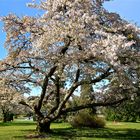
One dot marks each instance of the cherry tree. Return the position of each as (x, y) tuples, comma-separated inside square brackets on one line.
[(9, 99), (71, 40)]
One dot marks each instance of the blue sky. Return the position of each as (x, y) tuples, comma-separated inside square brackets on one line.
[(128, 9), (17, 7)]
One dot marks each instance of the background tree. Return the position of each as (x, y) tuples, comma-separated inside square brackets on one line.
[(128, 111), (87, 96), (70, 40), (9, 98)]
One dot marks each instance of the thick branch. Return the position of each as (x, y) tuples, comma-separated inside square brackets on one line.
[(44, 87), (67, 44), (77, 84), (57, 96), (71, 90), (77, 75), (98, 79), (25, 104), (76, 108)]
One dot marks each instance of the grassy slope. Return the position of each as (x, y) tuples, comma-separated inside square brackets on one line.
[(63, 131)]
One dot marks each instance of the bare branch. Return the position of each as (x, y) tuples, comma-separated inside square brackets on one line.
[(25, 104), (77, 84), (76, 108), (44, 87), (77, 75), (98, 79), (57, 96)]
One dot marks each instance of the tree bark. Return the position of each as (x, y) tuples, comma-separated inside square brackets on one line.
[(43, 126), (4, 114), (4, 117)]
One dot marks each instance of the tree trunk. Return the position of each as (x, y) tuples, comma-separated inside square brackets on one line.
[(4, 117), (43, 126)]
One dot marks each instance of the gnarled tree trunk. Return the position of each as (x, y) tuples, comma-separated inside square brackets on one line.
[(43, 126), (4, 117)]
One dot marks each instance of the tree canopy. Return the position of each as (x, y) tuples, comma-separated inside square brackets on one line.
[(73, 39)]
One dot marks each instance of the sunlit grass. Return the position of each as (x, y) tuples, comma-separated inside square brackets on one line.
[(14, 130), (18, 130)]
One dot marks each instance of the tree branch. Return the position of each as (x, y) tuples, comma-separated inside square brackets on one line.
[(25, 104), (57, 96), (77, 75), (67, 44), (44, 87), (98, 79), (77, 84), (80, 107)]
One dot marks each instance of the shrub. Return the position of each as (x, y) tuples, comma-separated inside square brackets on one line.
[(86, 120), (34, 117), (120, 115)]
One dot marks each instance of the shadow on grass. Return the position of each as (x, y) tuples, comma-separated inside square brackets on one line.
[(70, 133), (17, 123), (106, 133)]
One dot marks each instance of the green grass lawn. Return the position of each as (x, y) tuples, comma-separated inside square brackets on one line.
[(63, 131)]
